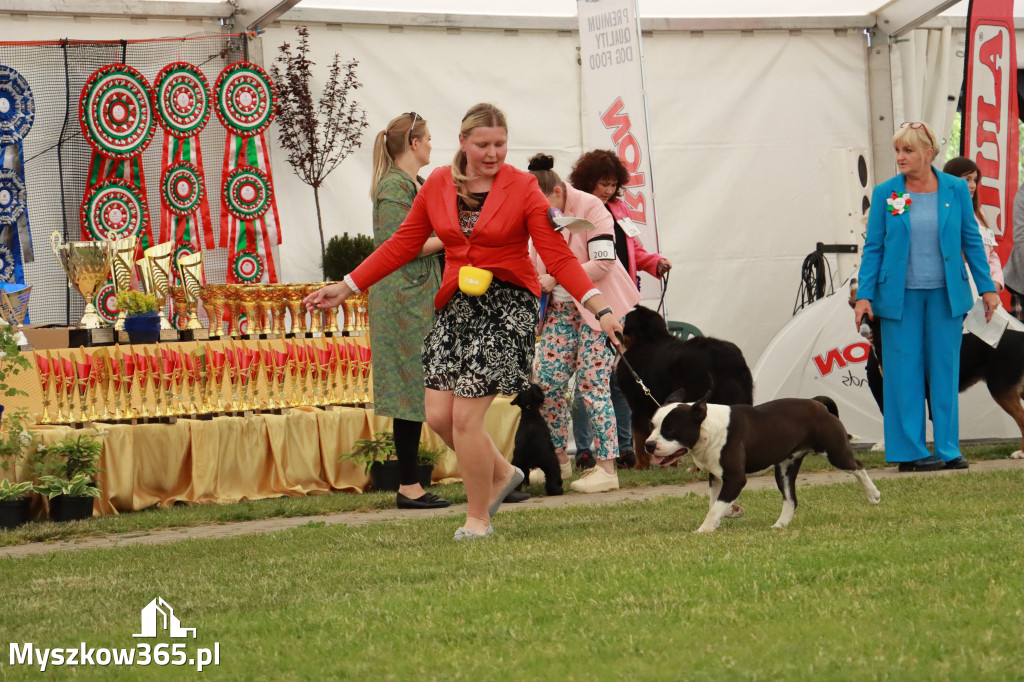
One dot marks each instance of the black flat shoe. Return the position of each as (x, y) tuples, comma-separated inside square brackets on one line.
[(425, 501), (924, 464), (516, 496), (958, 463)]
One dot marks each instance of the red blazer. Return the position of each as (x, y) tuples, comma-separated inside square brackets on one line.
[(515, 211)]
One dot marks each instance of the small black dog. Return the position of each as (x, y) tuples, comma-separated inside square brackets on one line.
[(701, 365), (533, 446)]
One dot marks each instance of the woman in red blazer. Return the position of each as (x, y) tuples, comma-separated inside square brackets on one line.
[(485, 213)]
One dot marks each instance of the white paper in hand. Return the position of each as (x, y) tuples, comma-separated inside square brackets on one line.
[(989, 332), (573, 225)]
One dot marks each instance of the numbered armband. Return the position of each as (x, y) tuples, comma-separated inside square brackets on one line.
[(601, 248)]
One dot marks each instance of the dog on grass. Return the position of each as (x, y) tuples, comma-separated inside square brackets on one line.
[(729, 442), (698, 366), (533, 448)]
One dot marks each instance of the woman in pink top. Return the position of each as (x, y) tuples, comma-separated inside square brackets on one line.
[(571, 341), (601, 173)]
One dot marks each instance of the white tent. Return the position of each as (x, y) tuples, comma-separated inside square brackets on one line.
[(757, 121)]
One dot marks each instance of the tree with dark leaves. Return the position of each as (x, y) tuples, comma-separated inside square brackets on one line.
[(317, 136)]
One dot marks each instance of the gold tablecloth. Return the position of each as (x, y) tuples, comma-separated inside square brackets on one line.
[(227, 459)]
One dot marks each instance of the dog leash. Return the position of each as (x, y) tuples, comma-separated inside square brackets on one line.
[(664, 290), (636, 376)]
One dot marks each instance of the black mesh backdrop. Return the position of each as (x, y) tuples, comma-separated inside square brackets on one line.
[(57, 156)]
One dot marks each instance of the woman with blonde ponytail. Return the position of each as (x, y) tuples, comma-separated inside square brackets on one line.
[(402, 304), (482, 340)]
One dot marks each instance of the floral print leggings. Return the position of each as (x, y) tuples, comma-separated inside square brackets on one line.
[(569, 346)]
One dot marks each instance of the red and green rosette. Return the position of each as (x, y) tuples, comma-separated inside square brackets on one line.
[(114, 209), (246, 267), (116, 115), (181, 98), (245, 103)]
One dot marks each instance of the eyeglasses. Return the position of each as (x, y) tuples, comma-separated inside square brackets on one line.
[(917, 125), (415, 117)]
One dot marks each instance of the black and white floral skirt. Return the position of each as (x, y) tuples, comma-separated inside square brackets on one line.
[(482, 345)]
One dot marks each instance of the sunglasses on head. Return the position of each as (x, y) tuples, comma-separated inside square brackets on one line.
[(415, 117), (917, 125)]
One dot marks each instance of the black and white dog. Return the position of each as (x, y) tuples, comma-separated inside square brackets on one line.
[(533, 447), (728, 442), (665, 364)]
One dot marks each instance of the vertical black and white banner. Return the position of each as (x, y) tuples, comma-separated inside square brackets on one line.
[(615, 108)]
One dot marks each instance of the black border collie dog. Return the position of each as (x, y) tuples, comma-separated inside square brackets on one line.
[(729, 442), (698, 366), (533, 447)]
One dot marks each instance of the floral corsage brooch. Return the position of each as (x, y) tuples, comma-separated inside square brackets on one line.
[(899, 203)]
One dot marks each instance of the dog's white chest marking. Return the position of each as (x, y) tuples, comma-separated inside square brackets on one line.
[(707, 454)]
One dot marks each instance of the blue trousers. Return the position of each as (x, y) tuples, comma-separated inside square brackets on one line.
[(924, 344), (581, 431)]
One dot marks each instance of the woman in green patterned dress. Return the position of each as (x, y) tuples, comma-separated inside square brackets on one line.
[(402, 304)]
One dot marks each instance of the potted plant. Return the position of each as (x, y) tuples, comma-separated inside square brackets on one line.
[(15, 443), (378, 459), (142, 311), (15, 440), (66, 474)]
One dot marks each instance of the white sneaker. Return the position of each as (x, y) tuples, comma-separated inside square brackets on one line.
[(566, 469), (537, 477), (595, 481)]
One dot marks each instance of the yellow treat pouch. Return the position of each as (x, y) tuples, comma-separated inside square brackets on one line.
[(474, 281)]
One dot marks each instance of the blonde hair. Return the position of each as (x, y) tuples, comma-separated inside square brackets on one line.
[(481, 115), (919, 136), (392, 141)]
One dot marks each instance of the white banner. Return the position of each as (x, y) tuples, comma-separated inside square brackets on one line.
[(615, 110)]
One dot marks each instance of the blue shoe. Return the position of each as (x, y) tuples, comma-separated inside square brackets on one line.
[(931, 463)]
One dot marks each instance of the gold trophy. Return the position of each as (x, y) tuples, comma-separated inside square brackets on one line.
[(214, 297), (191, 268), (264, 307), (202, 378), (278, 309), (158, 258), (247, 296), (234, 305), (315, 315), (293, 301), (101, 374), (44, 371), (121, 258), (350, 314), (86, 265), (180, 319), (14, 306)]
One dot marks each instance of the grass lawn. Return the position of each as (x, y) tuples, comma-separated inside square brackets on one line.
[(313, 505), (926, 586)]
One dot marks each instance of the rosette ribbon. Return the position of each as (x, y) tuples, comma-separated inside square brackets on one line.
[(116, 116), (17, 113), (181, 99), (250, 224)]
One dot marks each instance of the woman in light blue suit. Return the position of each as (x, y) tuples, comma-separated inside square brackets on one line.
[(921, 228)]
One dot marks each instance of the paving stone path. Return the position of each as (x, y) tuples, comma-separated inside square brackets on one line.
[(159, 537)]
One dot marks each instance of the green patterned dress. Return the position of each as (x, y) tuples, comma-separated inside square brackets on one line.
[(401, 308)]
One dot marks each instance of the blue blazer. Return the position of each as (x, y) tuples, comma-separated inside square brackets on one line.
[(883, 269)]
